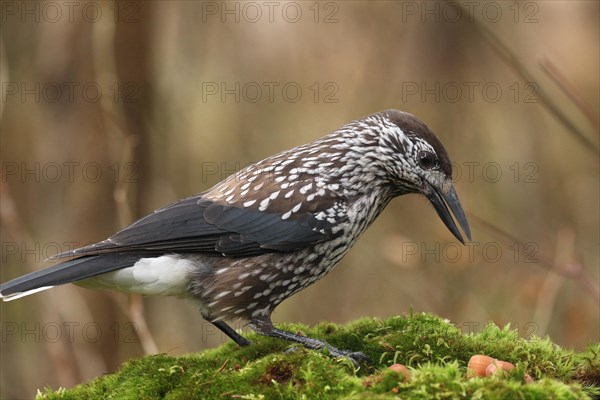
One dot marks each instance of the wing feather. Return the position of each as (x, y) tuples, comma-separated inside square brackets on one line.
[(200, 225)]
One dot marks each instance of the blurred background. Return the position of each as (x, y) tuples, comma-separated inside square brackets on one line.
[(111, 110)]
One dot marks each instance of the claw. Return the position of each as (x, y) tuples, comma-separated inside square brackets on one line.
[(358, 358), (264, 326)]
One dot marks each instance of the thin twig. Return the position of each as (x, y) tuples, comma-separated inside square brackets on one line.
[(548, 291), (136, 307), (221, 368), (571, 269), (135, 311), (113, 116), (511, 60), (121, 193), (132, 307), (567, 87)]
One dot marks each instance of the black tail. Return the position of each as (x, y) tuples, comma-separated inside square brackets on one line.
[(66, 272)]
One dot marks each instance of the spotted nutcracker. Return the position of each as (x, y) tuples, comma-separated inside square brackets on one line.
[(272, 229)]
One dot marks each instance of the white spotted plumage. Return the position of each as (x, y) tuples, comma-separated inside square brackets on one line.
[(278, 225), (339, 184)]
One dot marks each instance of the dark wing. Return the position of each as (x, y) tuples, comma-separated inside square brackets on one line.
[(199, 225)]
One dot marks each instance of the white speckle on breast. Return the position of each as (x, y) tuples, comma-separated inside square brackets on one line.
[(305, 188)]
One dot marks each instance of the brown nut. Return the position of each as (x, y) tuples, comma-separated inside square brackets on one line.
[(498, 365), (491, 369), (505, 365), (478, 364), (400, 369)]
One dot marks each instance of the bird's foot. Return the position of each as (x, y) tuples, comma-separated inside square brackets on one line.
[(358, 358), (265, 327)]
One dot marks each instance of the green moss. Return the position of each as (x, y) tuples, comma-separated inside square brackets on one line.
[(435, 350)]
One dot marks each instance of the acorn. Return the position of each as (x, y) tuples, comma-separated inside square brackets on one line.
[(401, 370)]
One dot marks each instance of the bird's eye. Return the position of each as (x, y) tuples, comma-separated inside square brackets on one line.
[(427, 160)]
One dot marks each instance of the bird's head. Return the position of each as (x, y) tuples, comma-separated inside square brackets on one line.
[(415, 161)]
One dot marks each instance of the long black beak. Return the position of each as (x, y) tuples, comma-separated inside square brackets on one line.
[(441, 201)]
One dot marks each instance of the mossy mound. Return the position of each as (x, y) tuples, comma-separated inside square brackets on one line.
[(435, 350)]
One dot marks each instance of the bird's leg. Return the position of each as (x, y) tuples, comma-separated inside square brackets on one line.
[(229, 331), (264, 326)]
